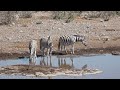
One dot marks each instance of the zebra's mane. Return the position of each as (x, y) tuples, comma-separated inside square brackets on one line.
[(79, 37)]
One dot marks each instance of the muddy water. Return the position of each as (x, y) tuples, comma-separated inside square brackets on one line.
[(109, 64)]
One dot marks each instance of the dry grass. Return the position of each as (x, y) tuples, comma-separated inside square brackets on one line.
[(24, 21)]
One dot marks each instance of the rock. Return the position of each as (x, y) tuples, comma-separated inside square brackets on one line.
[(1, 68), (21, 31), (63, 23), (87, 26), (24, 25), (101, 51), (31, 75), (39, 74), (115, 53), (101, 20), (40, 22), (8, 38), (105, 38), (59, 28), (48, 29)]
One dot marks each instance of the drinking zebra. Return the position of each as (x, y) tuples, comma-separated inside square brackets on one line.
[(70, 40), (32, 49), (46, 43)]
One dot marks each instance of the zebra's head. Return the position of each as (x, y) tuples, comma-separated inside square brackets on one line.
[(50, 44), (80, 38)]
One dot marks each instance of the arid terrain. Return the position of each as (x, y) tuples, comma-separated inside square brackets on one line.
[(102, 36)]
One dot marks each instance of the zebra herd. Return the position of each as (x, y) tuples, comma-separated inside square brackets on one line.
[(62, 43)]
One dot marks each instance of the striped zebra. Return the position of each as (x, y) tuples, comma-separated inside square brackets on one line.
[(70, 40), (32, 49), (46, 43)]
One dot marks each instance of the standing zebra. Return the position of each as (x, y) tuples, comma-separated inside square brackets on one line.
[(70, 40), (46, 43), (32, 49)]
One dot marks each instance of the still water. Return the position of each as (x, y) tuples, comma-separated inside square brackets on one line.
[(109, 64)]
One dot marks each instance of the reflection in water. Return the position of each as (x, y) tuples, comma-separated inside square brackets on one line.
[(32, 60), (48, 63), (62, 63), (53, 66), (109, 64)]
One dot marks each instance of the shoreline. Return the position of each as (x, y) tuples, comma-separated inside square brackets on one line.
[(107, 50)]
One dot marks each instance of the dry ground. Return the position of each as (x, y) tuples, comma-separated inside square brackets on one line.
[(14, 40)]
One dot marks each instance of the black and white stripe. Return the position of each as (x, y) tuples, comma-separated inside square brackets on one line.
[(32, 49), (46, 43), (70, 40)]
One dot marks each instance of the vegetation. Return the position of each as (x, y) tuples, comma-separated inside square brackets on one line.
[(70, 15), (67, 16)]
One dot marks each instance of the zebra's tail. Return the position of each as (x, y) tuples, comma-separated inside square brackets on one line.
[(40, 44), (59, 46)]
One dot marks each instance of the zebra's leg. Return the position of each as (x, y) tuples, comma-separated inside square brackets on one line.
[(64, 61), (47, 61), (59, 62), (65, 49), (50, 61), (43, 51), (47, 51), (35, 54), (44, 61), (73, 49), (41, 61), (72, 61), (32, 51), (50, 52), (60, 48)]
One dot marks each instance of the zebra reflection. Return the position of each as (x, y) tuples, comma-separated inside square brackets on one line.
[(63, 64), (32, 61), (48, 62)]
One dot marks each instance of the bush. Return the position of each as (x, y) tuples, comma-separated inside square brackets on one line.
[(118, 13), (25, 14), (68, 16)]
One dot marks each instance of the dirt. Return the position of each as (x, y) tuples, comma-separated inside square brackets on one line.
[(102, 37), (37, 70)]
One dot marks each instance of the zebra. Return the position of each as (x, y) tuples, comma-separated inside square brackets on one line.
[(46, 43), (70, 40), (32, 49)]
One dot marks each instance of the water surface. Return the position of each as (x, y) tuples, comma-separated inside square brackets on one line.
[(109, 64)]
